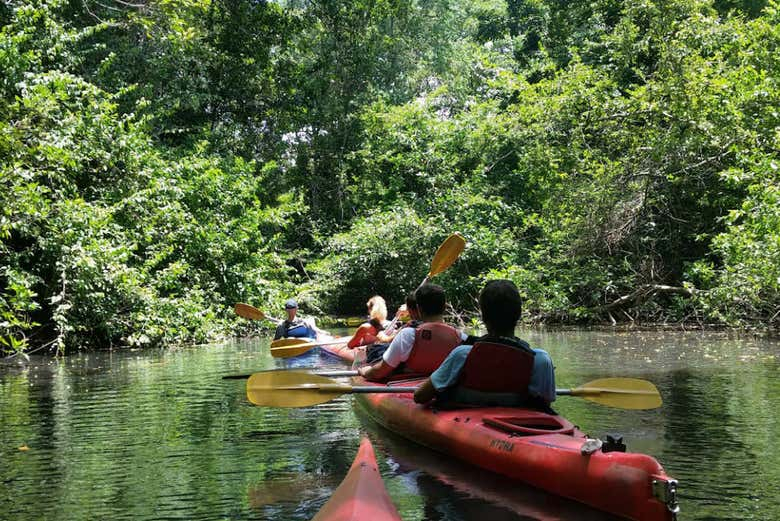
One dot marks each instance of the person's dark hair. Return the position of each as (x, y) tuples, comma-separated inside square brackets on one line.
[(411, 302), (430, 299), (500, 305)]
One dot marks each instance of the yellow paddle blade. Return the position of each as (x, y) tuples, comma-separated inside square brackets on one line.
[(291, 341), (247, 311), (624, 393), (287, 347), (447, 253), (292, 389), (293, 350)]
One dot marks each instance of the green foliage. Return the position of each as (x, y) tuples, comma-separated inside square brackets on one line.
[(106, 240), (612, 173), (747, 289), (158, 164)]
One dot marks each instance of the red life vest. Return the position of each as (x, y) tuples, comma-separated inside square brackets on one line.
[(493, 366), (365, 335), (433, 341)]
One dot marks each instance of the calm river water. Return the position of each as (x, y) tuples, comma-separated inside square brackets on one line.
[(159, 435)]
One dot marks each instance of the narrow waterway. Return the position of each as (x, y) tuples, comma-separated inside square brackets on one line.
[(159, 435)]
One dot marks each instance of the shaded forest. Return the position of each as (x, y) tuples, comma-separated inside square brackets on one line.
[(160, 161)]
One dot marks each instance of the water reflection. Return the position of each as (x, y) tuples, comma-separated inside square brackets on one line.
[(159, 435)]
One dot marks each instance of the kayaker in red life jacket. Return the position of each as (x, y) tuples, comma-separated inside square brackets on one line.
[(295, 326), (499, 369), (420, 349), (373, 330)]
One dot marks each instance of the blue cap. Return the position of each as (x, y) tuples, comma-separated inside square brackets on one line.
[(290, 304)]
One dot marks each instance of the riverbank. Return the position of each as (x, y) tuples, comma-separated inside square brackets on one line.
[(466, 321)]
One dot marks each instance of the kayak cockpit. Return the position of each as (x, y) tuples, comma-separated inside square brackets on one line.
[(530, 423)]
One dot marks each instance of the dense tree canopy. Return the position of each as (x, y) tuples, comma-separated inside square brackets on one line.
[(162, 160)]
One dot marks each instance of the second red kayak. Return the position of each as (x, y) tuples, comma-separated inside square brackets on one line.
[(362, 495)]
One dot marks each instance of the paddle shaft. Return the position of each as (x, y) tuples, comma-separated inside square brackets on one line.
[(559, 392), (302, 342), (330, 374), (392, 324), (296, 350), (300, 389), (365, 389), (334, 341), (447, 253), (371, 389)]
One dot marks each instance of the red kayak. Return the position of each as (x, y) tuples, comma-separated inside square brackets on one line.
[(340, 351), (542, 450), (362, 495)]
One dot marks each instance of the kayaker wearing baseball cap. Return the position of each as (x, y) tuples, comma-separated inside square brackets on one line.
[(295, 326), (419, 349), (499, 369)]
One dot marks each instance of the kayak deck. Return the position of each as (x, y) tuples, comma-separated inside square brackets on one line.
[(540, 449), (361, 496)]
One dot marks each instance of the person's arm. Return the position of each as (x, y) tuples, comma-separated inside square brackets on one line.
[(382, 338), (425, 392), (377, 372), (397, 352), (444, 377), (543, 377), (309, 321), (357, 338), (280, 330)]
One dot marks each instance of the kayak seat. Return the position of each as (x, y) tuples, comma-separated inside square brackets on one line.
[(433, 342), (530, 424), (493, 367)]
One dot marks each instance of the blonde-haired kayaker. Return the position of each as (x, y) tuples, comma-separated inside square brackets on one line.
[(407, 313), (372, 331)]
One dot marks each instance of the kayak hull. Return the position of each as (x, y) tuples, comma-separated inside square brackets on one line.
[(361, 495), (542, 450), (340, 351)]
